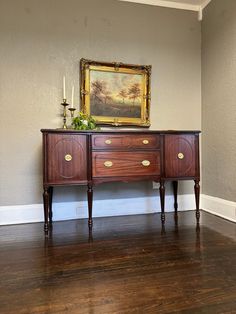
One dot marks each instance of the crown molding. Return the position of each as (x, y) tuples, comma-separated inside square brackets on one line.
[(205, 3), (173, 5), (167, 4)]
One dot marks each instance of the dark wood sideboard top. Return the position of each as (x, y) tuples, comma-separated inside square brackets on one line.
[(121, 131)]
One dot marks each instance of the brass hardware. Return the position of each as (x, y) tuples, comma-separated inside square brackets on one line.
[(68, 157), (108, 163), (145, 142), (180, 155), (146, 163), (108, 142)]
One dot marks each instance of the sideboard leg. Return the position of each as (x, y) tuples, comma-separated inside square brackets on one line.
[(50, 204), (197, 196), (46, 208), (175, 189), (162, 198), (90, 204)]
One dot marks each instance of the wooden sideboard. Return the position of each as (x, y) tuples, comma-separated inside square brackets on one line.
[(92, 157)]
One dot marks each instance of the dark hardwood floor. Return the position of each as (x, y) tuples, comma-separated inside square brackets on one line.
[(128, 264)]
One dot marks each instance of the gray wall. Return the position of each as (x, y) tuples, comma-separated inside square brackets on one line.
[(42, 40), (219, 99)]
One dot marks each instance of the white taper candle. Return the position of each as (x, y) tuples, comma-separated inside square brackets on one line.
[(64, 87), (72, 96)]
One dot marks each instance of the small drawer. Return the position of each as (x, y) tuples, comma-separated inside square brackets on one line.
[(121, 164), (125, 141)]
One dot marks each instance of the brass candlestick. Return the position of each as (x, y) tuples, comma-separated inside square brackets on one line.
[(64, 104), (72, 112)]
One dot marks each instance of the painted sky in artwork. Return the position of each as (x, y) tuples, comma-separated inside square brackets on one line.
[(116, 81)]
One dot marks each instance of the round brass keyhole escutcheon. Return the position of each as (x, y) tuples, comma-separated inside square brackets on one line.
[(108, 163), (146, 163), (145, 142), (180, 155), (68, 157), (108, 142)]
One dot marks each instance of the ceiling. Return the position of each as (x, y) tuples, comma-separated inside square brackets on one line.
[(193, 5)]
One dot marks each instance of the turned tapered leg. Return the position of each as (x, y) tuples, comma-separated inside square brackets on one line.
[(46, 200), (50, 204), (90, 237), (197, 196), (162, 198), (90, 204), (175, 189)]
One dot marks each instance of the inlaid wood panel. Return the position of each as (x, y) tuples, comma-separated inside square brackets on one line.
[(109, 164), (66, 158), (180, 156), (121, 141)]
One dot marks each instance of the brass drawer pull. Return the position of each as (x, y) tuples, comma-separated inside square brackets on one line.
[(180, 155), (145, 142), (108, 163), (108, 142), (68, 157), (146, 163)]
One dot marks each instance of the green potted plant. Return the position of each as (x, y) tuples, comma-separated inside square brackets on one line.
[(84, 122)]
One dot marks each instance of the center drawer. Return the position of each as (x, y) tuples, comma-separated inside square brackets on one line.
[(125, 141), (122, 164)]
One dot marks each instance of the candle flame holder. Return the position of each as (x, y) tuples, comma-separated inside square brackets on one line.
[(64, 104), (72, 112)]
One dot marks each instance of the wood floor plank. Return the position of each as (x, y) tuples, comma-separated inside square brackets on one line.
[(128, 264)]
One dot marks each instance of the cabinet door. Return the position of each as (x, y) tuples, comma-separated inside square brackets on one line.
[(181, 156), (66, 158)]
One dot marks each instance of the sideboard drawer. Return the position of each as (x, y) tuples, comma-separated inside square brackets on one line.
[(108, 164), (125, 141)]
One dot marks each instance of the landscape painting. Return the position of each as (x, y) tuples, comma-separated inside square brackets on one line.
[(116, 93)]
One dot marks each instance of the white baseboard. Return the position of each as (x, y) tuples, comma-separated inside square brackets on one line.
[(18, 214), (101, 208), (219, 207)]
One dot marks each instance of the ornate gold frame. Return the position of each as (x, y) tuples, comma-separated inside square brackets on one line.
[(144, 70)]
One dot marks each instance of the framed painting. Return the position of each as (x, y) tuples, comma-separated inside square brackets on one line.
[(115, 94)]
